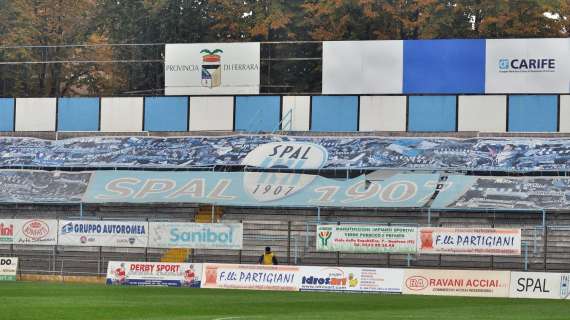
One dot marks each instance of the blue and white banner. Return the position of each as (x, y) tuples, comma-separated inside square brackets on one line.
[(195, 235), (259, 189), (154, 274), (87, 233)]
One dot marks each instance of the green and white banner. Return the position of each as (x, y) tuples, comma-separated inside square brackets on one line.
[(366, 238), (8, 268)]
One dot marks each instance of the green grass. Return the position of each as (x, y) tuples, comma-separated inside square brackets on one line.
[(27, 300)]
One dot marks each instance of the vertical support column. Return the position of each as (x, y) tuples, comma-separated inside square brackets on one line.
[(213, 214), (289, 242), (545, 251)]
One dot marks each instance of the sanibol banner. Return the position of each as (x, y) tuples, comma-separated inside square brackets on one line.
[(472, 241), (366, 238), (103, 233), (259, 189), (154, 274), (195, 235)]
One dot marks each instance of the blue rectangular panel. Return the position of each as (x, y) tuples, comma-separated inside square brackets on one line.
[(432, 113), (166, 114), (533, 113), (444, 66), (258, 113), (6, 114), (78, 114), (334, 113)]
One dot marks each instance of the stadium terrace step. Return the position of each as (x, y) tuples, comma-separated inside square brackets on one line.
[(204, 214), (176, 255)]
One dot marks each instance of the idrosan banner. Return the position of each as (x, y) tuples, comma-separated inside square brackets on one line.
[(103, 233), (195, 235), (366, 238), (351, 279), (470, 241), (540, 285), (8, 268), (154, 274), (473, 283), (253, 277)]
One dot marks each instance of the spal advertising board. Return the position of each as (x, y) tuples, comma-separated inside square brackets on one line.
[(472, 241), (254, 277), (8, 268), (366, 238), (540, 285), (473, 283), (103, 233), (154, 274), (195, 235), (528, 66), (351, 279), (212, 68)]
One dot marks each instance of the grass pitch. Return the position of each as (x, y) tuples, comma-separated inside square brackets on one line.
[(27, 300)]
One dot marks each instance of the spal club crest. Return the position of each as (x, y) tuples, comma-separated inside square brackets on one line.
[(211, 68)]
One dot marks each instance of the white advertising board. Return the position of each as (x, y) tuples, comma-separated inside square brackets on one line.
[(473, 283), (527, 66), (254, 277), (366, 238), (351, 279), (195, 235), (540, 285), (103, 233), (7, 231), (363, 67), (154, 274), (8, 268), (212, 68), (35, 232), (472, 241)]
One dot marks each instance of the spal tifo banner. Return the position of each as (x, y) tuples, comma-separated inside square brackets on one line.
[(195, 235), (259, 189), (471, 241), (8, 268), (103, 233), (42, 186), (28, 231), (366, 238), (154, 274), (267, 151)]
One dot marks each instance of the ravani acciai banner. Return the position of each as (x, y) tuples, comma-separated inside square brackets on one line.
[(28, 231), (195, 235), (8, 268), (259, 189), (366, 238), (103, 233), (154, 274), (254, 277), (471, 241)]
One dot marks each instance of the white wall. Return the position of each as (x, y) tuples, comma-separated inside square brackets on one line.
[(564, 113), (382, 113), (211, 113), (35, 114), (122, 114), (482, 113), (300, 115)]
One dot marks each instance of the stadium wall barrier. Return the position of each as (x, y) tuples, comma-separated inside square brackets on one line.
[(61, 278), (335, 113), (469, 283)]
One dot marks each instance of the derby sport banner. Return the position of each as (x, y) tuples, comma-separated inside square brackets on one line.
[(366, 238), (471, 241), (195, 235), (294, 152), (259, 189), (103, 233), (154, 274)]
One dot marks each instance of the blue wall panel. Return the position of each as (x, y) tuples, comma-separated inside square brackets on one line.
[(432, 113), (166, 114), (78, 114), (257, 113), (334, 113), (6, 114), (533, 113), (444, 66)]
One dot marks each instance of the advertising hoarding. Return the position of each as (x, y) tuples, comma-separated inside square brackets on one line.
[(351, 279), (154, 274), (540, 285), (195, 235), (8, 268), (472, 241), (366, 238), (103, 233), (253, 277)]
